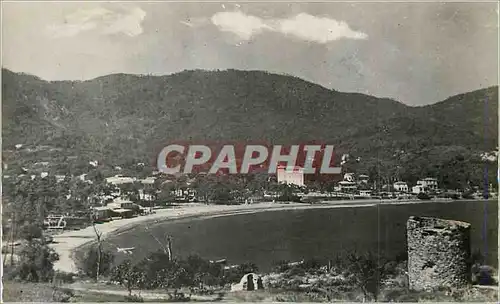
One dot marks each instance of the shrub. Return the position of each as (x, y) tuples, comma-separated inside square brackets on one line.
[(281, 266), (134, 298), (31, 231), (301, 297), (88, 263), (312, 264), (127, 275), (423, 196), (63, 277), (178, 297), (483, 275), (296, 271), (61, 295), (201, 271), (158, 271), (367, 273), (36, 261)]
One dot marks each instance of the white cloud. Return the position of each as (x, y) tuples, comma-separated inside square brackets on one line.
[(317, 29), (101, 20), (303, 26), (244, 26)]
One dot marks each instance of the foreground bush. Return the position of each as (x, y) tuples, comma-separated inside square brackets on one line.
[(483, 275), (36, 262), (61, 277), (158, 271), (353, 277), (87, 264), (439, 295)]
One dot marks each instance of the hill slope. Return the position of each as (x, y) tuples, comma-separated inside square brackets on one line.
[(118, 117)]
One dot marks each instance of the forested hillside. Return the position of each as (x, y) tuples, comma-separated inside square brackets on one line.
[(119, 119)]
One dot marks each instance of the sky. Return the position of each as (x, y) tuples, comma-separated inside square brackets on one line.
[(416, 53)]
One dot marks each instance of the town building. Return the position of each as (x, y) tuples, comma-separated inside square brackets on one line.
[(290, 175), (123, 208), (121, 203), (349, 177), (348, 184), (150, 180), (363, 178), (144, 196), (425, 185), (365, 193), (101, 214), (418, 189), (118, 180), (400, 187)]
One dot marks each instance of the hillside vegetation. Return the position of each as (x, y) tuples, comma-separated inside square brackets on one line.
[(119, 119)]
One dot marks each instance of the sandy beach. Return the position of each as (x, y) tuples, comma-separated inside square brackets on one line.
[(67, 242)]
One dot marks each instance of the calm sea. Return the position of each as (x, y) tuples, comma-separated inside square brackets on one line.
[(266, 237)]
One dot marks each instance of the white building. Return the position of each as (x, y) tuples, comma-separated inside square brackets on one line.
[(365, 193), (429, 184), (118, 180), (290, 175), (349, 177), (417, 189), (145, 196), (400, 187), (347, 186), (425, 185), (120, 203), (150, 180)]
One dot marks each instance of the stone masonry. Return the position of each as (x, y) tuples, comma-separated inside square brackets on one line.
[(438, 253)]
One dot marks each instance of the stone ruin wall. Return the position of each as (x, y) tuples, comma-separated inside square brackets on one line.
[(438, 253)]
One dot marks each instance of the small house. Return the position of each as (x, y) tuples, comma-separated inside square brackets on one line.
[(400, 187), (101, 214), (123, 208), (123, 213)]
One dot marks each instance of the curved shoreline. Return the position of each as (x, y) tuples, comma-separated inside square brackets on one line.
[(70, 242)]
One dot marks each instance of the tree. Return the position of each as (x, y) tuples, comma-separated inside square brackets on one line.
[(95, 263), (36, 262), (131, 190), (221, 193), (27, 203), (202, 271), (367, 272), (165, 192), (127, 275), (99, 252)]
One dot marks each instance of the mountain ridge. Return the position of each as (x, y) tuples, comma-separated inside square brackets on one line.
[(139, 75), (124, 116)]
